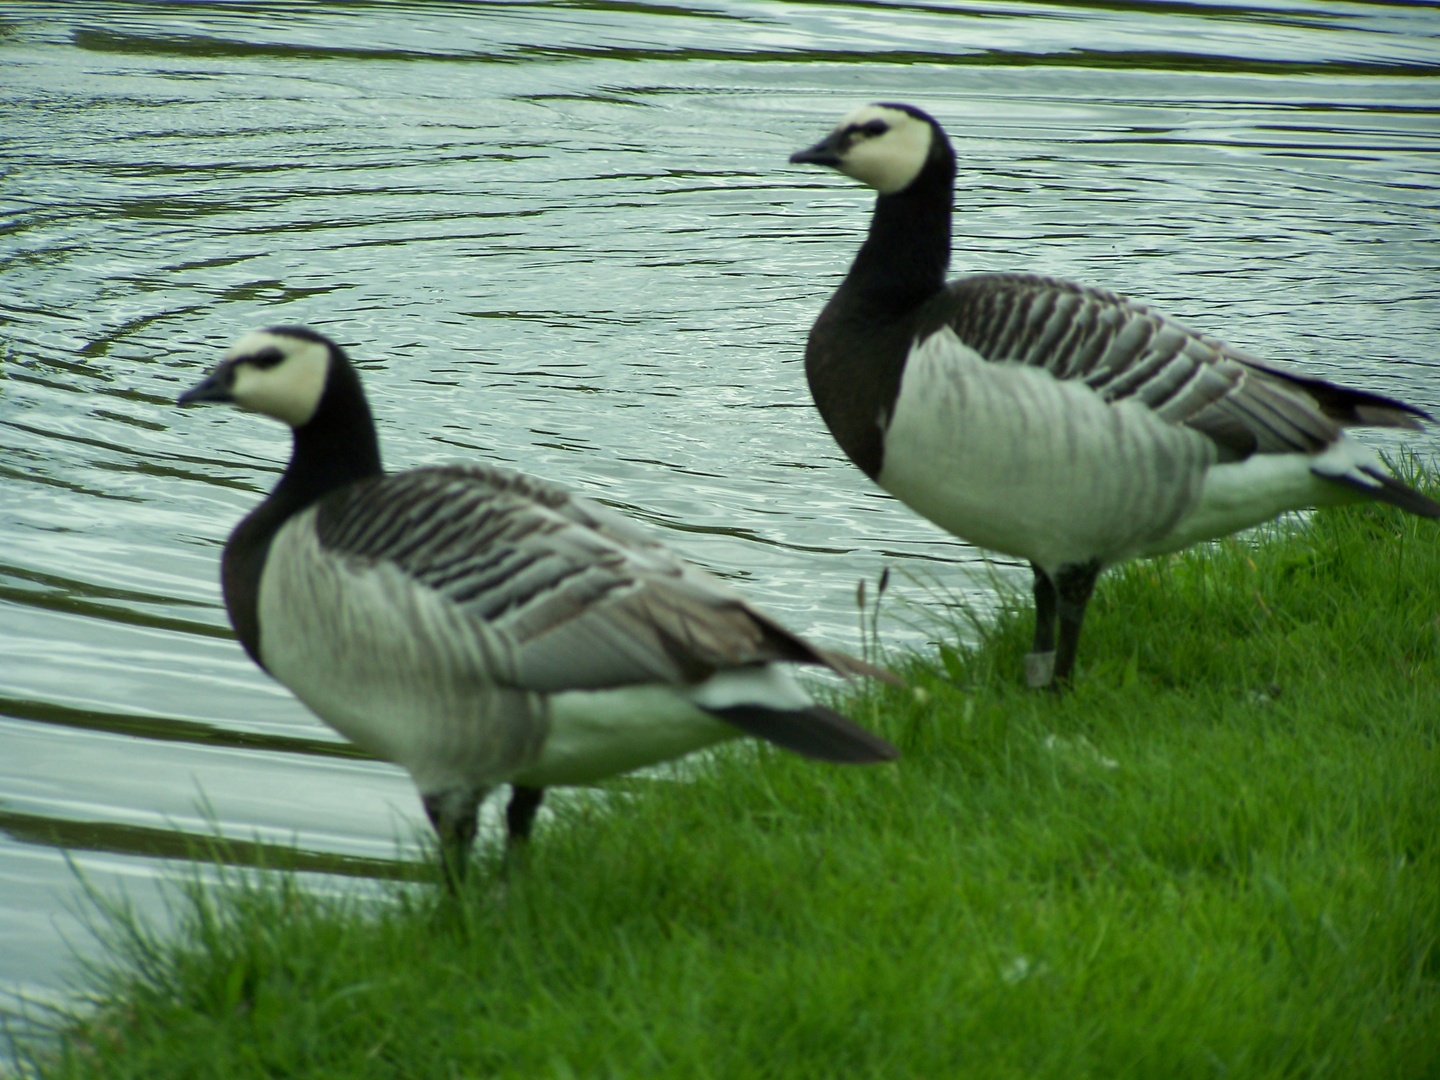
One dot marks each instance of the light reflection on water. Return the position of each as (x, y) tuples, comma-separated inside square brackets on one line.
[(564, 238)]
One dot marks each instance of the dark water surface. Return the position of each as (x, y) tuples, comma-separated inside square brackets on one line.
[(564, 237)]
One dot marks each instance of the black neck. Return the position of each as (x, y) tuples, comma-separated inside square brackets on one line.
[(336, 447), (904, 260), (857, 349)]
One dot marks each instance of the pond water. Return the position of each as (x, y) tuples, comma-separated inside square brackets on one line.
[(563, 236)]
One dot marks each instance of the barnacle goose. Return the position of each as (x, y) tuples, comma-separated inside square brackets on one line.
[(1051, 421), (477, 626)]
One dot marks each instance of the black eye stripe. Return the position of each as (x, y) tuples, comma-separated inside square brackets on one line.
[(265, 358), (869, 130)]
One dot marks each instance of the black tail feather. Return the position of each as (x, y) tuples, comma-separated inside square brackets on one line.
[(816, 732), (1387, 489)]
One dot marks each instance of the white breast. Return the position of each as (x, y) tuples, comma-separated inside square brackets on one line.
[(1010, 458), (392, 666)]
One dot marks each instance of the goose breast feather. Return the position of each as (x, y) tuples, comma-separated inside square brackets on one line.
[(1013, 459)]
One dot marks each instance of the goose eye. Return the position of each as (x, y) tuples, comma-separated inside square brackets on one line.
[(875, 127), (265, 358)]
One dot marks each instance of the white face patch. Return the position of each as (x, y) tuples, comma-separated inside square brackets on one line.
[(288, 389), (891, 159)]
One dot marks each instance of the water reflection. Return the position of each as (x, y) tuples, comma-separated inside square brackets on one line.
[(169, 843), (171, 730)]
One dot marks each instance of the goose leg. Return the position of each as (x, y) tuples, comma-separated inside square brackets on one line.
[(1040, 663), (455, 814), (1074, 584), (520, 815)]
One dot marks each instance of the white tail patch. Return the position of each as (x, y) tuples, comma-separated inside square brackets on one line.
[(771, 686)]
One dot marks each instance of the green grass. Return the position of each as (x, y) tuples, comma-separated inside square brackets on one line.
[(1220, 856)]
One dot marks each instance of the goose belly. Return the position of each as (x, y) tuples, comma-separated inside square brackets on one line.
[(1237, 495), (392, 667), (1010, 458), (598, 733)]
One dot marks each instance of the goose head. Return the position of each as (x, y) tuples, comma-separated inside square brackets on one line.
[(884, 146), (281, 372)]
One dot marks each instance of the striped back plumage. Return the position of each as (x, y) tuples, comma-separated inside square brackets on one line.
[(1126, 351), (581, 596), (470, 533)]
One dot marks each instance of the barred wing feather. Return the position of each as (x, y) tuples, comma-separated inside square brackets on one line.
[(578, 596), (1122, 349)]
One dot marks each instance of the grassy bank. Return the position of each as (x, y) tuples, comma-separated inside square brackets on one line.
[(1220, 856)]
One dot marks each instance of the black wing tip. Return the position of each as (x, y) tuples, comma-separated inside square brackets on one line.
[(1399, 415), (1347, 405), (816, 732)]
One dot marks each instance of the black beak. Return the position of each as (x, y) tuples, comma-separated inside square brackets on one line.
[(825, 152), (214, 387)]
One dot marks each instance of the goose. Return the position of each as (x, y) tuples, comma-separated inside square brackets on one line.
[(1055, 422), (477, 626)]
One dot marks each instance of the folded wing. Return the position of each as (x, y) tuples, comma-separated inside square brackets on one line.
[(577, 596), (1123, 350)]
